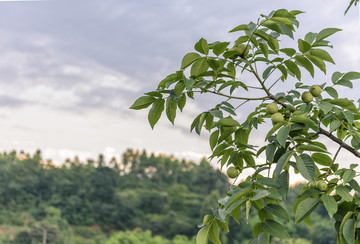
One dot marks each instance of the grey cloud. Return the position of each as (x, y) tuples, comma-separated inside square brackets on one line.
[(8, 101), (144, 40)]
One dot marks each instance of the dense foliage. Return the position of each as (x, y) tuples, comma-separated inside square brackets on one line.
[(160, 194), (261, 76), (145, 199)]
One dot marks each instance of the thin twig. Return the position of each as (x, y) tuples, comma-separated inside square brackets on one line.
[(234, 97), (333, 161)]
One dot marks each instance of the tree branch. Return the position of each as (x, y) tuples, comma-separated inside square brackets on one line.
[(339, 141), (233, 97), (270, 95)]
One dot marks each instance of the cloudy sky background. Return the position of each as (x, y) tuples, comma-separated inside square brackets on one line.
[(69, 70)]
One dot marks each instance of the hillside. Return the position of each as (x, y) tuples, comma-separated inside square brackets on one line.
[(144, 197)]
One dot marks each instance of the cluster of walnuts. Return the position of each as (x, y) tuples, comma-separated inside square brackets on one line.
[(276, 117), (306, 97)]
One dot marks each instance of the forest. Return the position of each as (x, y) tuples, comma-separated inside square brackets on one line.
[(144, 198)]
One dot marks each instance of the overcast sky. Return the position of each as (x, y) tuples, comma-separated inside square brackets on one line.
[(69, 70)]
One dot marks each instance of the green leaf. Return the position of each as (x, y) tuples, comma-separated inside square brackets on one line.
[(202, 46), (348, 175), (143, 102), (267, 71), (275, 128), (259, 194), (235, 212), (272, 25), (288, 51), (200, 123), (225, 134), (317, 61), (199, 66), (155, 112), (262, 238), (249, 159), (231, 71), (281, 162), (213, 139), (311, 148), (188, 59), (326, 107), (270, 150), (220, 47), (203, 235), (310, 37), (171, 109), (220, 149), (268, 182), (344, 193), (322, 54), (240, 28), (182, 102), (336, 76), (284, 13), (179, 88), (169, 80), (303, 46), (351, 76), (303, 120), (325, 33), (265, 49), (347, 216), (282, 135), (214, 233), (330, 204), (346, 83), (242, 136), (322, 159), (305, 208), (332, 92), (228, 122), (275, 229), (354, 185), (306, 166), (293, 68), (278, 211), (345, 103), (283, 21), (334, 125), (349, 231), (304, 62), (283, 181)]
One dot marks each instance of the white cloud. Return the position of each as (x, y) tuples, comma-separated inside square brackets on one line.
[(97, 58)]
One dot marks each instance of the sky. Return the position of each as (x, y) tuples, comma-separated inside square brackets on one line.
[(70, 70)]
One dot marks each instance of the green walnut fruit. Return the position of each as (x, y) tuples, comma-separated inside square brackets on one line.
[(321, 185), (315, 90), (242, 49), (312, 185), (207, 219), (307, 97), (272, 108), (277, 118), (232, 172)]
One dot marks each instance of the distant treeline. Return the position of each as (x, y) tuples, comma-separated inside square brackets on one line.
[(158, 193)]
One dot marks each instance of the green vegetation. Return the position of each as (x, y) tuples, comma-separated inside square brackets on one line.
[(303, 111), (141, 199)]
